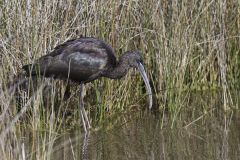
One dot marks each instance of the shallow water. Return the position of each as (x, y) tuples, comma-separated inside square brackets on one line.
[(144, 135), (193, 128)]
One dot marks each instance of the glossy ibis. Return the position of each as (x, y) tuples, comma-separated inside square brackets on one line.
[(83, 60)]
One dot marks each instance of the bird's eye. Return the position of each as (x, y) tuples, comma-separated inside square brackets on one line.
[(141, 61)]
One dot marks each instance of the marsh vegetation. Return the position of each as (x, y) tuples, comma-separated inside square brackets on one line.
[(189, 48)]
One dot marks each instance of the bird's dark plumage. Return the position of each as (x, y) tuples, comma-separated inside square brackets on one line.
[(85, 59), (80, 60)]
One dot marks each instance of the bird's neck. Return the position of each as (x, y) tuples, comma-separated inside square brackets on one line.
[(120, 70)]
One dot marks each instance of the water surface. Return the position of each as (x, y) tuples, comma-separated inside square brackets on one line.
[(154, 136)]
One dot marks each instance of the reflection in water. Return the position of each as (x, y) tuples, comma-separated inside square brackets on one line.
[(72, 146), (197, 130), (85, 146), (210, 135)]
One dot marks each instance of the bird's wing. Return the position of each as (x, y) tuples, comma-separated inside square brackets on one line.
[(60, 48), (85, 55), (88, 52), (82, 58), (85, 45)]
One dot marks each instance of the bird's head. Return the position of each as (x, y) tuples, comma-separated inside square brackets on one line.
[(134, 60)]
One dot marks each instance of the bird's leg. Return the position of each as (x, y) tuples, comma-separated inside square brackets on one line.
[(81, 105), (83, 121), (67, 92), (86, 118), (82, 110)]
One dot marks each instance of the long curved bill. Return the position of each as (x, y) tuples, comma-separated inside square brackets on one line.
[(146, 81)]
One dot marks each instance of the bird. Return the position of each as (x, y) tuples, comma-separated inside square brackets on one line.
[(83, 60)]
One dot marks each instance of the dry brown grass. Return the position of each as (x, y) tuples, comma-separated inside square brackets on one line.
[(185, 45)]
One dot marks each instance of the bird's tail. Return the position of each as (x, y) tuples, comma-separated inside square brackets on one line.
[(30, 69), (39, 67)]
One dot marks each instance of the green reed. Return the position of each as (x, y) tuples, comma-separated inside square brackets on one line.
[(186, 45)]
